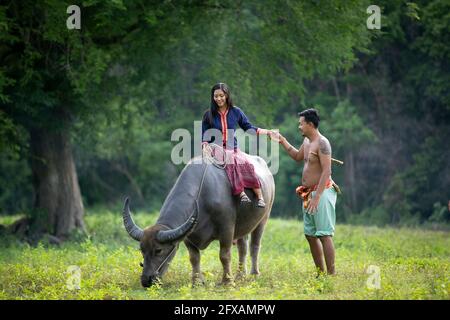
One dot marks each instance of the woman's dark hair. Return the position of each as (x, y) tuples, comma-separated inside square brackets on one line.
[(214, 107), (311, 116)]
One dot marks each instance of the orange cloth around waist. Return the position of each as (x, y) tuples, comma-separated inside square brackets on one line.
[(306, 192)]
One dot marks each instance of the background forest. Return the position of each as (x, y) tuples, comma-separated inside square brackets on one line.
[(86, 115)]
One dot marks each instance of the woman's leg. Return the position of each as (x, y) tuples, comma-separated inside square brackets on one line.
[(258, 193), (260, 203)]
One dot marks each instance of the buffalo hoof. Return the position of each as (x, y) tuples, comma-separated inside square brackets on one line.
[(198, 280), (255, 273), (241, 273), (227, 281)]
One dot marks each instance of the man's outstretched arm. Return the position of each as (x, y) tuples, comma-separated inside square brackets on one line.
[(296, 154)]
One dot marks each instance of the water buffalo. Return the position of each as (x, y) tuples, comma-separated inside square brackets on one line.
[(200, 208)]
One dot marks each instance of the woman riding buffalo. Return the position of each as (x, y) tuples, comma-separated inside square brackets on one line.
[(223, 115)]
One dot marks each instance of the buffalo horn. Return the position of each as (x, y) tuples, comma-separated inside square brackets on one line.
[(176, 234), (133, 230)]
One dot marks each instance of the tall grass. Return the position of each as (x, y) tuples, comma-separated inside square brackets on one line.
[(413, 264)]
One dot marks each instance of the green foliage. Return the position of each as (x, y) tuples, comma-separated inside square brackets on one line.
[(135, 63), (10, 138), (15, 188), (347, 129), (138, 70), (400, 93), (417, 188), (413, 264), (440, 213)]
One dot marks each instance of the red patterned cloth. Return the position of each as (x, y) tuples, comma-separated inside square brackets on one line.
[(240, 171), (306, 192)]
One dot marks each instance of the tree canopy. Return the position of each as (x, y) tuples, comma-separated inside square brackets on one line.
[(114, 90)]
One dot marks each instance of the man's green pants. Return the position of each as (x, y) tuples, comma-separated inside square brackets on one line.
[(322, 223)]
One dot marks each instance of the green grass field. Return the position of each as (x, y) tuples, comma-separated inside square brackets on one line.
[(413, 264)]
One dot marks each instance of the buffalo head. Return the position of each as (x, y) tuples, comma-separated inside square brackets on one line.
[(158, 244)]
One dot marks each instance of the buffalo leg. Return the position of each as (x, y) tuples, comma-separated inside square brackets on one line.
[(225, 258), (255, 244), (242, 245), (194, 258)]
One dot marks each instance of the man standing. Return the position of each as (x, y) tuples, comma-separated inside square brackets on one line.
[(317, 189)]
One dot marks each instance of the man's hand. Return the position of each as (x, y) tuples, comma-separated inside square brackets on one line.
[(275, 136), (313, 204)]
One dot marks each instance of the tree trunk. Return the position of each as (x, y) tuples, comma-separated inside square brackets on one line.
[(57, 192)]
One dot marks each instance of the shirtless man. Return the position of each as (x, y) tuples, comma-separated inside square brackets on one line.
[(317, 192)]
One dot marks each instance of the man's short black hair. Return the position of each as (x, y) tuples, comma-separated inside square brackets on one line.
[(311, 115)]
